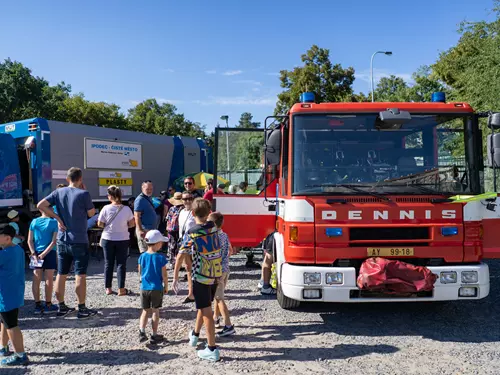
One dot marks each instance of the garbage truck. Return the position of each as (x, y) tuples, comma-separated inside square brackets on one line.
[(36, 153)]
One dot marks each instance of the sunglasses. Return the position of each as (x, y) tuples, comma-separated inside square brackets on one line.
[(188, 183), (187, 199)]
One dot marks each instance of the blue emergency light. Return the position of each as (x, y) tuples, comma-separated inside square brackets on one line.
[(449, 231), (333, 232), (306, 97), (438, 97)]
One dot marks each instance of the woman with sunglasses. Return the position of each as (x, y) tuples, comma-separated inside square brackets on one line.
[(186, 222)]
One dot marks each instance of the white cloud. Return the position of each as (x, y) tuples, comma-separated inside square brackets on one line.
[(238, 100), (232, 72), (365, 75), (168, 70), (249, 82), (213, 71), (255, 89), (169, 101)]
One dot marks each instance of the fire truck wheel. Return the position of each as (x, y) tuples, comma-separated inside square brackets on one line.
[(285, 302)]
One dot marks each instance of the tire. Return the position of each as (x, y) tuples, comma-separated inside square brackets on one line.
[(285, 302)]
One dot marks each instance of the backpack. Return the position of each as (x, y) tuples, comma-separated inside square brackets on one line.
[(173, 218)]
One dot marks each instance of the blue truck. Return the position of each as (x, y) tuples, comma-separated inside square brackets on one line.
[(36, 153)]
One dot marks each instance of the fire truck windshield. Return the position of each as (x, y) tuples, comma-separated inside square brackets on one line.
[(334, 153)]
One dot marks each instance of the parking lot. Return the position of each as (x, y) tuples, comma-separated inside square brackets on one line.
[(405, 338)]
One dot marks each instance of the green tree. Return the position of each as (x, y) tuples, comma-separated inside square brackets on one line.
[(152, 117), (246, 121), (392, 89), (426, 82), (330, 82), (20, 92), (77, 110), (472, 67)]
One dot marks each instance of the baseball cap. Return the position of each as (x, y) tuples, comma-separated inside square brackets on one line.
[(154, 236), (12, 214)]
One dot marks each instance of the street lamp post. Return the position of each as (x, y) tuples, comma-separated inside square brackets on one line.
[(388, 53), (226, 118)]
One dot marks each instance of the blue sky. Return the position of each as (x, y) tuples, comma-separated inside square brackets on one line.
[(211, 58)]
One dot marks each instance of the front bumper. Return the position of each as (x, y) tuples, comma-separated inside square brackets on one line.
[(292, 285)]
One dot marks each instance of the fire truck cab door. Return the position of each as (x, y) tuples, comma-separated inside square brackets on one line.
[(248, 217), (489, 214)]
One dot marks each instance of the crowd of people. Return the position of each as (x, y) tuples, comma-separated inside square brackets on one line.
[(183, 223)]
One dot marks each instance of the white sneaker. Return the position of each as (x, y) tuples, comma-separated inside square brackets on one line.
[(209, 355), (260, 285), (193, 340)]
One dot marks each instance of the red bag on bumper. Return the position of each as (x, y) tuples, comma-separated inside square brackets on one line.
[(394, 277)]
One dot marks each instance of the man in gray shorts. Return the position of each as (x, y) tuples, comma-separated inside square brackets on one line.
[(74, 206)]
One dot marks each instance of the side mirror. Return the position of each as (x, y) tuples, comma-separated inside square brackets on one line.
[(493, 146), (393, 118), (494, 120), (272, 148)]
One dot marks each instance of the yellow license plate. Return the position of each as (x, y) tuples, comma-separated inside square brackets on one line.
[(390, 251)]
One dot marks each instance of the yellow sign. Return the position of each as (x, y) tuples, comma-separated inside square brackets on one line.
[(115, 181), (389, 252)]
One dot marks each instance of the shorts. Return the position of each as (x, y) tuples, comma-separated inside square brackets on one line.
[(10, 318), (49, 262), (69, 252), (141, 243), (151, 299), (221, 286), (203, 294)]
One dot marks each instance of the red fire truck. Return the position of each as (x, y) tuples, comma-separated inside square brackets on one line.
[(351, 181)]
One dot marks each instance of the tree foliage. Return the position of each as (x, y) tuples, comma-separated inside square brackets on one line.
[(246, 121), (472, 67), (23, 95), (330, 82), (77, 110), (152, 117)]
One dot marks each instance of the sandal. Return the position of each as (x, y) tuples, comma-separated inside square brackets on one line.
[(124, 292), (188, 300), (109, 293)]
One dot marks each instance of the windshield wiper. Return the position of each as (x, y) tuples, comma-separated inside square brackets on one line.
[(420, 187), (356, 188)]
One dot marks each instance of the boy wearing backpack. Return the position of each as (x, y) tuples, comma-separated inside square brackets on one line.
[(201, 247)]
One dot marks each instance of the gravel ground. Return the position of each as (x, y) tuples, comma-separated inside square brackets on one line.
[(431, 338)]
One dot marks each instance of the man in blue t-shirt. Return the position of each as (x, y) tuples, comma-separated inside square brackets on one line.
[(145, 214), (11, 298), (154, 282), (74, 207)]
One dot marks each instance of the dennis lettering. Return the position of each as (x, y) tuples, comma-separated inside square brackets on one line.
[(387, 215)]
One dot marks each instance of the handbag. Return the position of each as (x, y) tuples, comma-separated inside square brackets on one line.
[(110, 221)]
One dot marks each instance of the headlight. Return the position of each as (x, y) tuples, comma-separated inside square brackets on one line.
[(448, 277), (469, 277), (335, 278), (312, 278)]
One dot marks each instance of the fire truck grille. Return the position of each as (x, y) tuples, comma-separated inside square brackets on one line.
[(389, 233)]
